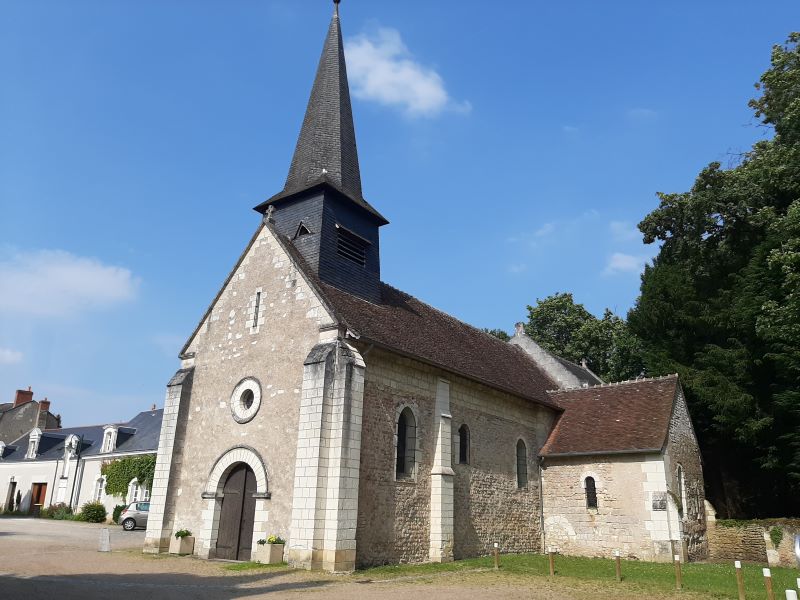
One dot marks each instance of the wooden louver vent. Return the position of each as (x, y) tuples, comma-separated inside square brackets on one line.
[(351, 246)]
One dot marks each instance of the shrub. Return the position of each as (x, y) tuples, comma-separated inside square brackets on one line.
[(182, 534), (94, 512), (275, 539), (117, 512), (261, 542), (59, 511), (776, 535)]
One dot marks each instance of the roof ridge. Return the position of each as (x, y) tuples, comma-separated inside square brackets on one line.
[(615, 383)]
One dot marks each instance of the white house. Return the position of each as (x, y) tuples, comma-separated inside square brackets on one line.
[(55, 466)]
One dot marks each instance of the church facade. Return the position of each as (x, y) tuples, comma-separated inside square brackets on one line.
[(317, 403)]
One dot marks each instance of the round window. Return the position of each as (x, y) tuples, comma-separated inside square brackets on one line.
[(245, 400)]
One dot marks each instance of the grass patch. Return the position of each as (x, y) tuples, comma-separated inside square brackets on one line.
[(252, 566), (712, 580)]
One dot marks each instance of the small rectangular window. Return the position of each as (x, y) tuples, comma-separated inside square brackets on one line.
[(256, 309), (351, 246)]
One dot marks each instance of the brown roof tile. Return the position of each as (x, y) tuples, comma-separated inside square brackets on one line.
[(633, 416), (406, 325)]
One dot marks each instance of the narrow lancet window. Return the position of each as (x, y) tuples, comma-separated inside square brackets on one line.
[(522, 465), (591, 492), (463, 445)]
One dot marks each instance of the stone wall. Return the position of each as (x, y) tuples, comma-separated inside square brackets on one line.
[(394, 516), (751, 542), (624, 518), (234, 343), (682, 449)]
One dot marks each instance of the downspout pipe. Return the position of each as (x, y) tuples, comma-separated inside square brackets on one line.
[(541, 504)]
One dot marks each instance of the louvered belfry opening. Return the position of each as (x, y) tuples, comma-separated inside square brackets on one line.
[(351, 246)]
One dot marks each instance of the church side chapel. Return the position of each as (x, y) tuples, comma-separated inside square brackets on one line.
[(319, 404)]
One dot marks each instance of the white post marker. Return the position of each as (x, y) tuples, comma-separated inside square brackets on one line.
[(739, 579), (105, 540), (791, 595)]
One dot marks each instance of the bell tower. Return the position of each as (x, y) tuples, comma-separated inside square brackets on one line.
[(321, 208)]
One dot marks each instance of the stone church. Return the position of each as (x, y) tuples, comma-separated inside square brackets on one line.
[(364, 426)]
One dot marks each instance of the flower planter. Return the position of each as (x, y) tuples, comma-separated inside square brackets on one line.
[(184, 545), (269, 554)]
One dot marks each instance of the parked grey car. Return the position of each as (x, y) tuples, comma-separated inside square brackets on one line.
[(134, 515)]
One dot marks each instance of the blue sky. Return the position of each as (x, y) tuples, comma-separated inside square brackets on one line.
[(513, 146)]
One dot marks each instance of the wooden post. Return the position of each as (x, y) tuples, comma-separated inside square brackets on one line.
[(768, 584), (739, 579), (678, 576), (496, 556), (551, 552), (617, 565)]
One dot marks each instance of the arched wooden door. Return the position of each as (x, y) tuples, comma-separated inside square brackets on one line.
[(235, 537)]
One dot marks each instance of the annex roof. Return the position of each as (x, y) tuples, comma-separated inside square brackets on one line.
[(628, 417)]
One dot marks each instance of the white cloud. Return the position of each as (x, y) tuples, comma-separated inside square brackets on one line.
[(517, 268), (625, 263), (381, 69), (544, 230), (569, 129), (54, 283), (10, 357), (642, 114), (623, 231)]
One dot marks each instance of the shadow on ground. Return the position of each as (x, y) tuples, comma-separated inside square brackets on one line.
[(156, 586)]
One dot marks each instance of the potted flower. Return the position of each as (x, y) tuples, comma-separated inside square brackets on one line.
[(183, 543), (270, 551)]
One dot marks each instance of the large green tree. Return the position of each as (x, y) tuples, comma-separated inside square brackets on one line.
[(721, 305), (567, 329)]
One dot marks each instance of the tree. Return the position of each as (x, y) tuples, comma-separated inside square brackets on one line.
[(720, 305), (568, 330), (498, 333)]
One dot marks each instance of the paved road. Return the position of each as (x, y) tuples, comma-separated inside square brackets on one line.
[(59, 560)]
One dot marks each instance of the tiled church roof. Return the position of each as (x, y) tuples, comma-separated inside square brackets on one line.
[(632, 416), (410, 327)]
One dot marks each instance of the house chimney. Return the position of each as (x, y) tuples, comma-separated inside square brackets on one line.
[(44, 410), (23, 397), (153, 408), (583, 363), (519, 328)]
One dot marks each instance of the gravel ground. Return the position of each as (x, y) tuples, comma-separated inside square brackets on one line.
[(60, 559)]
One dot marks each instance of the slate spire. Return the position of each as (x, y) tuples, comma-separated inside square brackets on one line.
[(326, 148)]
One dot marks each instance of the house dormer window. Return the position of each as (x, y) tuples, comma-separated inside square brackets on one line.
[(70, 451), (33, 443), (109, 439)]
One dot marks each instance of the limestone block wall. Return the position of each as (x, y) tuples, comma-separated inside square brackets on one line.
[(624, 519), (394, 516), (239, 341), (682, 449), (489, 507)]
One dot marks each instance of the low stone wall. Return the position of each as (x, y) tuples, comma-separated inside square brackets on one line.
[(751, 541)]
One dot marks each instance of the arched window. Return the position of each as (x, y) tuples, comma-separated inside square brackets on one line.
[(463, 445), (406, 443), (591, 492), (522, 465), (681, 491)]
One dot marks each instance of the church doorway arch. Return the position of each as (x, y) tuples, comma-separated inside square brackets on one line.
[(237, 514)]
